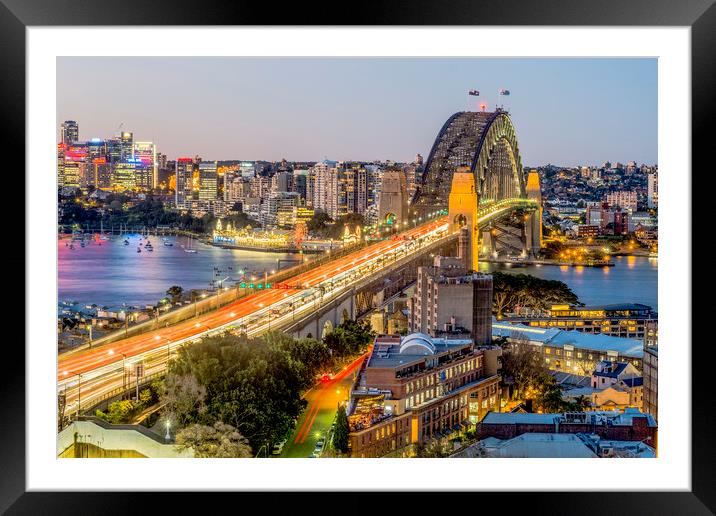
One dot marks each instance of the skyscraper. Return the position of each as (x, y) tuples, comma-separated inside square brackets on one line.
[(652, 195), (353, 188), (325, 188), (126, 145), (147, 153), (70, 132), (183, 192), (208, 181)]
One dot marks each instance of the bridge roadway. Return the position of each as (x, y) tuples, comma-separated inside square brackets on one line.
[(88, 376), (94, 373)]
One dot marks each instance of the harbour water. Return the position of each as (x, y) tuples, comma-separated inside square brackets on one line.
[(632, 279), (109, 273)]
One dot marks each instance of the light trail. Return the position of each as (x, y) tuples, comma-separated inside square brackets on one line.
[(99, 370)]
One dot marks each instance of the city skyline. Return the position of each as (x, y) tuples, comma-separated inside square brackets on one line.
[(287, 106)]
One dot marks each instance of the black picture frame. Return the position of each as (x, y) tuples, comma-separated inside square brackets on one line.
[(700, 15)]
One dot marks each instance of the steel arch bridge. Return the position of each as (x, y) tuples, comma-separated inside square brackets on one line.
[(486, 142)]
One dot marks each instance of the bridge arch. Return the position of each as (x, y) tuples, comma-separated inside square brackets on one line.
[(486, 142)]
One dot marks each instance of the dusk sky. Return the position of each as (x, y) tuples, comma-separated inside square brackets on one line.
[(566, 111)]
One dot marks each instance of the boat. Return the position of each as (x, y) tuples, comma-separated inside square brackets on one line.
[(126, 241), (168, 243), (148, 247), (189, 248), (139, 249), (102, 235)]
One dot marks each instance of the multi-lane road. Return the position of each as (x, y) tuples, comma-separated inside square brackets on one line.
[(87, 375)]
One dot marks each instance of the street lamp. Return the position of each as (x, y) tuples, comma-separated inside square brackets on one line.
[(168, 437)]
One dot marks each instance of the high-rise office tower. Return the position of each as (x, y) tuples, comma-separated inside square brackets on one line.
[(147, 153), (114, 150), (184, 168), (126, 145), (208, 181), (652, 195), (70, 132), (124, 175)]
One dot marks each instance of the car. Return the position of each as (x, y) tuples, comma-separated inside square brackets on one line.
[(319, 448), (326, 377)]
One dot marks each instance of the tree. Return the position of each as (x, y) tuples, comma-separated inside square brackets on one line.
[(183, 398), (512, 290), (175, 292), (118, 412), (432, 449), (318, 223), (252, 384), (216, 441), (349, 338), (550, 398), (340, 434), (580, 404), (523, 364)]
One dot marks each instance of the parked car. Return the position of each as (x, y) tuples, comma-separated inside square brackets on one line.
[(319, 448)]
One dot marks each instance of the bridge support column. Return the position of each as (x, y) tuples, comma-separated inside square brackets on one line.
[(463, 212), (524, 239), (534, 222)]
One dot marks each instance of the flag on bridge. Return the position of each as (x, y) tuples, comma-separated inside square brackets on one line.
[(504, 92), (474, 93)]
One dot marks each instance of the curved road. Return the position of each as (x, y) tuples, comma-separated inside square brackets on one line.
[(90, 360)]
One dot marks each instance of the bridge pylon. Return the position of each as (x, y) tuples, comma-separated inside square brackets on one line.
[(463, 205), (533, 224)]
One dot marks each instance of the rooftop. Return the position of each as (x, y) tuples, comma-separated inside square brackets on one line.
[(390, 351), (559, 338), (615, 418), (533, 445), (616, 307)]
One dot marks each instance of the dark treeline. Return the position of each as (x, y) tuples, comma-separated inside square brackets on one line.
[(146, 213), (525, 290)]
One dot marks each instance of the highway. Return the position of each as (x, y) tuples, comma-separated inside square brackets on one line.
[(90, 374)]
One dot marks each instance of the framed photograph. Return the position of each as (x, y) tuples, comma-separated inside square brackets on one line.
[(455, 234)]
